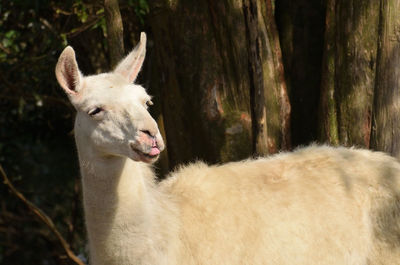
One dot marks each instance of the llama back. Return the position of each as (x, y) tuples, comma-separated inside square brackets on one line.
[(321, 204)]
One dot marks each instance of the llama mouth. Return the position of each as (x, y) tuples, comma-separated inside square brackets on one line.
[(147, 157), (147, 153)]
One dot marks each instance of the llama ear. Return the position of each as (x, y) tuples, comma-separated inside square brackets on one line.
[(131, 65), (67, 72)]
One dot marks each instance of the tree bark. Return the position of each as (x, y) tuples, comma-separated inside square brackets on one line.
[(211, 58), (328, 126), (386, 121), (115, 30), (204, 93), (269, 100), (349, 69)]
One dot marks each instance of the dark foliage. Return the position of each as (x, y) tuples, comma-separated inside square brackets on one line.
[(36, 133)]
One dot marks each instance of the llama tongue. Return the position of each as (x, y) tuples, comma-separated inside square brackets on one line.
[(154, 151)]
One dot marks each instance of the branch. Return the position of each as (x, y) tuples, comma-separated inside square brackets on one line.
[(43, 217), (76, 31), (47, 99)]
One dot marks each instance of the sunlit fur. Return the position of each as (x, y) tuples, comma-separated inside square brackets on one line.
[(316, 205)]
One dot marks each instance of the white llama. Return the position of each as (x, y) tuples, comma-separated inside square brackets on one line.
[(317, 205)]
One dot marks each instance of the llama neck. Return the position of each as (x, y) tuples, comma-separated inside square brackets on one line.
[(112, 185), (121, 207)]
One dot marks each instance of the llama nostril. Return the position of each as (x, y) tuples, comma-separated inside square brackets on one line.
[(147, 132)]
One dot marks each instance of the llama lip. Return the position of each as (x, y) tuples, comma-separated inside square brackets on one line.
[(149, 156)]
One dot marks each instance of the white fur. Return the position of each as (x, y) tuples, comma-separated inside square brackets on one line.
[(317, 205)]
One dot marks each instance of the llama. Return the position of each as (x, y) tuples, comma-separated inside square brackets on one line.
[(316, 205)]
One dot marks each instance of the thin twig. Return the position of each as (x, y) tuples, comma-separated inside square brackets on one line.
[(47, 24), (87, 25), (5, 49), (43, 217)]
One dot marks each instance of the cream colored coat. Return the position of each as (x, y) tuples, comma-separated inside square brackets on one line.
[(317, 205)]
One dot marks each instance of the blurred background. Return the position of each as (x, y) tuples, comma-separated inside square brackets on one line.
[(231, 79)]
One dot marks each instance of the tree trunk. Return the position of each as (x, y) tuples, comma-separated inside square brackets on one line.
[(386, 120), (115, 30), (301, 31), (349, 69), (211, 58)]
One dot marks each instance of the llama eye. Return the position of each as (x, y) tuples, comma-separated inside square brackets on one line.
[(149, 103), (95, 111)]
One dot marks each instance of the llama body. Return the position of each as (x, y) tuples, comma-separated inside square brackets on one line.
[(317, 205)]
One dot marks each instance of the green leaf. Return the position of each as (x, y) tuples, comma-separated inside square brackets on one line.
[(21, 105)]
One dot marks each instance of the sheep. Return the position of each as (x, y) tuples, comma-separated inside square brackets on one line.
[(316, 205)]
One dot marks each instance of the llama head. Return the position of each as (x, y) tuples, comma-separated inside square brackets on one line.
[(112, 116)]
